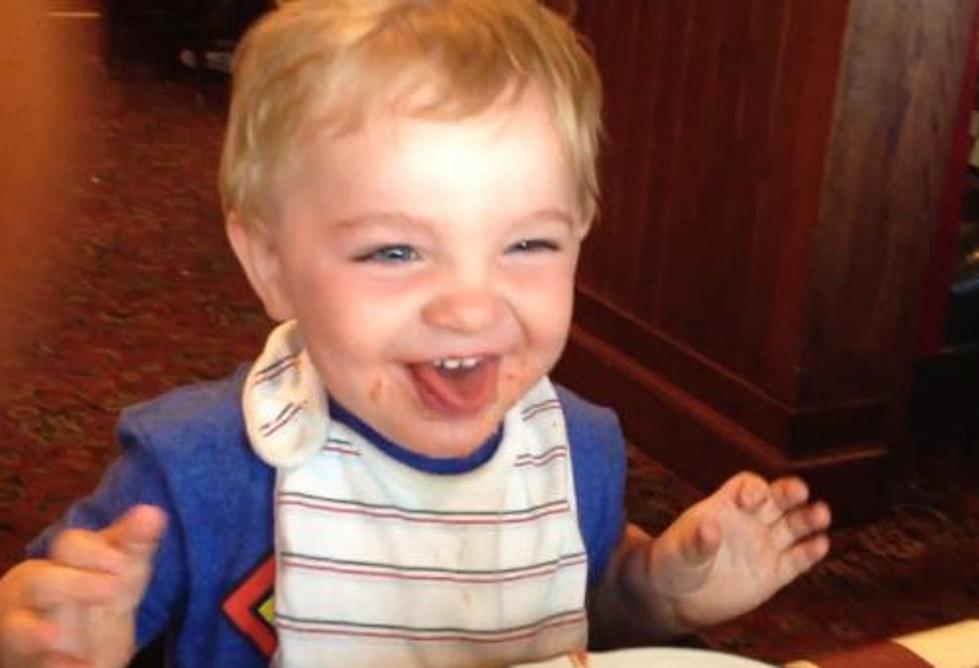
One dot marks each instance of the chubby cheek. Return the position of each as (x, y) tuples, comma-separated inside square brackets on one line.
[(343, 317), (544, 314), (548, 320), (545, 297)]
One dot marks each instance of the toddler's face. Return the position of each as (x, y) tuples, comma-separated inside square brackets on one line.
[(430, 265)]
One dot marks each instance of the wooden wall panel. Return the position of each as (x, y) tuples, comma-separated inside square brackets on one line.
[(770, 176), (708, 102), (887, 167)]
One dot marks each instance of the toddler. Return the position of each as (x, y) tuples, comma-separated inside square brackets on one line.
[(395, 481)]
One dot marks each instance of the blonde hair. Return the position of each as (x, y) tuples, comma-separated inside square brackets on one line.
[(315, 63)]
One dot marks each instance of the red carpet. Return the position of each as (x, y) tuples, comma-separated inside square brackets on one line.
[(142, 295)]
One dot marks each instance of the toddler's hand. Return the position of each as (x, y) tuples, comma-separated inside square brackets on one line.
[(732, 551), (77, 608)]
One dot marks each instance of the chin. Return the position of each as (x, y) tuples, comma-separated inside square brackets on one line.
[(453, 438)]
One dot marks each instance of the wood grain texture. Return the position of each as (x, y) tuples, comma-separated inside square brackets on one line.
[(749, 294), (886, 172), (718, 116)]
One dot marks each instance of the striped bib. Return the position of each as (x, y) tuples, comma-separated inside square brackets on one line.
[(381, 564)]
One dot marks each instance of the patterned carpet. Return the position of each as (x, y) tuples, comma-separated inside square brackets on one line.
[(141, 294)]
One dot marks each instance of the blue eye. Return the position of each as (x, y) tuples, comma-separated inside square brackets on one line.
[(393, 254), (534, 246)]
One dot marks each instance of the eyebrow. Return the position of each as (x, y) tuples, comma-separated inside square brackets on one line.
[(550, 214), (380, 217), (401, 218)]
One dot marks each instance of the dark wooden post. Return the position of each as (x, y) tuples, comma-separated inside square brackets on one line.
[(749, 298)]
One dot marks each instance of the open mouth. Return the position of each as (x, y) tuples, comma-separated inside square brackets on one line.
[(457, 386)]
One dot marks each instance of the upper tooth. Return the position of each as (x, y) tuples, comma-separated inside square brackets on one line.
[(456, 362)]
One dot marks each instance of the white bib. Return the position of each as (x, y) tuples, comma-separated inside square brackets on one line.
[(380, 564)]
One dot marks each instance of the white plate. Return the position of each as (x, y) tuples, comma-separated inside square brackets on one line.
[(652, 657)]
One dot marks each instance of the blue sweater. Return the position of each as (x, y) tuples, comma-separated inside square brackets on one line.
[(187, 453)]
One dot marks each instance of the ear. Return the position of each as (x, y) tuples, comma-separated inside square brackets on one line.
[(259, 257)]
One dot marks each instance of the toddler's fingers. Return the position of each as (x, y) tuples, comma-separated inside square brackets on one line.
[(60, 585), (700, 545), (138, 531), (813, 518), (74, 639), (136, 534), (747, 490), (801, 557), (770, 501), (708, 539), (25, 634), (87, 550), (799, 523), (789, 492), (752, 494), (30, 640)]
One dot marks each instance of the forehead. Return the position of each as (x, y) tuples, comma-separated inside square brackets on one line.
[(505, 158)]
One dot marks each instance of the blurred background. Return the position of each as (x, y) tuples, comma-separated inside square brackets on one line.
[(42, 92)]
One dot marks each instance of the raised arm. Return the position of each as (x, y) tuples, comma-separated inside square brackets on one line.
[(78, 607), (723, 557)]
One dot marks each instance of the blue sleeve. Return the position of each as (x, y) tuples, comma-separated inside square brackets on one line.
[(134, 478), (598, 460)]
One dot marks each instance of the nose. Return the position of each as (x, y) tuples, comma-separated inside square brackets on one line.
[(464, 311)]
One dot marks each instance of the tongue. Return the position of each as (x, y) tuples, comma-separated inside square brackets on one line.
[(456, 392)]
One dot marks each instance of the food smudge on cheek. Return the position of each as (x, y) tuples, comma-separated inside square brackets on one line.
[(375, 392), (513, 381)]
